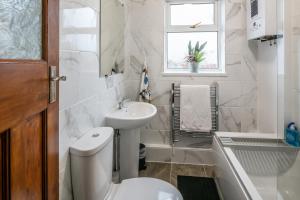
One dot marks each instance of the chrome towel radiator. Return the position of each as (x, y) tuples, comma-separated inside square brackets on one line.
[(198, 139)]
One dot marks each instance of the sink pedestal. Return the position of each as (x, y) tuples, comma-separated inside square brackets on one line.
[(129, 153), (128, 121)]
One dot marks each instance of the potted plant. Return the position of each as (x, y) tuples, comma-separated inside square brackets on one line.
[(195, 55)]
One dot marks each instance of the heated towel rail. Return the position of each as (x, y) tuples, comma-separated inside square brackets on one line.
[(177, 135)]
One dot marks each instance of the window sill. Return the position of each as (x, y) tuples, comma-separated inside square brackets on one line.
[(190, 74)]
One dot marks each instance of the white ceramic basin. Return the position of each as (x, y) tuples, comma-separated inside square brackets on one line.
[(133, 115)]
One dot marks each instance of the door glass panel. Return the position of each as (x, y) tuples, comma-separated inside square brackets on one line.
[(21, 29)]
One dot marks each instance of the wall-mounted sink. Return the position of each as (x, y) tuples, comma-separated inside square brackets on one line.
[(133, 115), (129, 120)]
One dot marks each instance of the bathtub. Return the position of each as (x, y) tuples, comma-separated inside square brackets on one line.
[(249, 166)]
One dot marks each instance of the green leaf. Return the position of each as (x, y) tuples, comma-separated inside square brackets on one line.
[(202, 46), (190, 48), (201, 60), (199, 57), (197, 46), (196, 54)]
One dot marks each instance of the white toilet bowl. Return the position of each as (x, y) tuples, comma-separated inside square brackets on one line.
[(91, 171)]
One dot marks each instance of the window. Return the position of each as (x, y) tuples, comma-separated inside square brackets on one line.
[(189, 23)]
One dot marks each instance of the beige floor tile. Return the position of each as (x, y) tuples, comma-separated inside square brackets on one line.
[(157, 170), (169, 172)]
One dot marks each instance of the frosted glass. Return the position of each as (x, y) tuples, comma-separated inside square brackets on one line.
[(190, 14), (20, 29), (178, 49)]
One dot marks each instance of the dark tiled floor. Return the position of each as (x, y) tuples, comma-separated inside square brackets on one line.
[(169, 172), (193, 188)]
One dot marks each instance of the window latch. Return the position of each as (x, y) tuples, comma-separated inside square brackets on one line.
[(195, 25)]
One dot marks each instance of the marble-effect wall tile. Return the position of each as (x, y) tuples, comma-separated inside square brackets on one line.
[(238, 90), (161, 121), (230, 119), (230, 93), (249, 120), (85, 98), (155, 137)]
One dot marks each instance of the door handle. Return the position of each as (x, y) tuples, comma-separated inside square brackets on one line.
[(59, 78), (53, 80)]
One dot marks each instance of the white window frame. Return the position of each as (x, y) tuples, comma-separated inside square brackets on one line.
[(216, 27)]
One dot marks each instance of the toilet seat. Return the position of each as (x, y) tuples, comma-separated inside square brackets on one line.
[(146, 189)]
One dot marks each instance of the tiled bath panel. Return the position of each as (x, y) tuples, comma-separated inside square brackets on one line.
[(165, 153), (169, 171)]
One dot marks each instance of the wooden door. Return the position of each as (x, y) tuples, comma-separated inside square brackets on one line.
[(28, 122)]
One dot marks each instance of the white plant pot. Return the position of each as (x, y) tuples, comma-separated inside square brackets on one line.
[(194, 67)]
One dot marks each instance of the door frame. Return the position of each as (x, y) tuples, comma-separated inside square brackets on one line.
[(51, 41)]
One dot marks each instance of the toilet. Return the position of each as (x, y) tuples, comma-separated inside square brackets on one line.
[(91, 173)]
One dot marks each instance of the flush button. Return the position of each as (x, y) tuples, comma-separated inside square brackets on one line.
[(96, 135)]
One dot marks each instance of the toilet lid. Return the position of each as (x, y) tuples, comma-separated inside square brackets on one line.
[(146, 189)]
